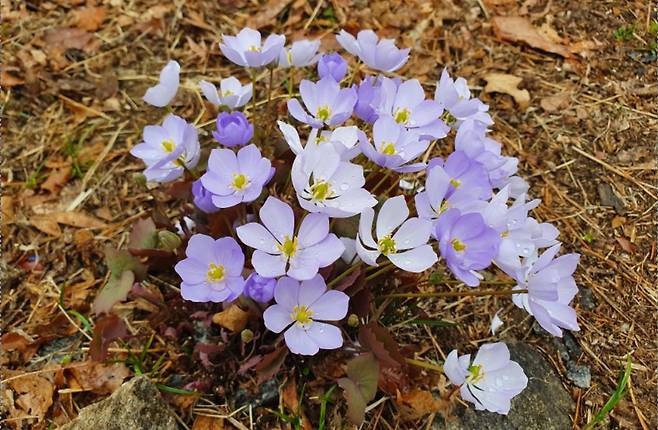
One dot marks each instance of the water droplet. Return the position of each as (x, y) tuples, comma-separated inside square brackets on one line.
[(401, 154), (406, 242), (261, 241), (344, 186), (525, 251)]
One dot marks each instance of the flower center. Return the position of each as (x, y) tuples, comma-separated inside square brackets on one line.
[(321, 190), (388, 148), (168, 145), (289, 247), (320, 139), (504, 234), (448, 118), (402, 115), (476, 374), (302, 314), (240, 182), (215, 273), (323, 113), (458, 245), (227, 93), (455, 183), (254, 48), (387, 245)]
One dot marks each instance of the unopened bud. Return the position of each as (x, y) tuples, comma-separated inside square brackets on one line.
[(247, 335), (353, 320), (168, 240)]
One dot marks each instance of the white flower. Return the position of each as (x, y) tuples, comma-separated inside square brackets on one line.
[(411, 237), (161, 94), (232, 93)]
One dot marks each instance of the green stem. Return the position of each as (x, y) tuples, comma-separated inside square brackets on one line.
[(253, 92), (344, 274), (380, 271), (424, 365), (269, 87), (291, 78)]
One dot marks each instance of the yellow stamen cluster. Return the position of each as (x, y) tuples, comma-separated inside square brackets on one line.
[(388, 148), (215, 272), (240, 182), (168, 145), (448, 118), (323, 113), (387, 245), (476, 374), (302, 315), (458, 245), (321, 190), (289, 246), (402, 116)]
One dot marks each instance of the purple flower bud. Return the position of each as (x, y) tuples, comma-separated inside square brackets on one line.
[(203, 197), (332, 65), (233, 129), (367, 94), (259, 288)]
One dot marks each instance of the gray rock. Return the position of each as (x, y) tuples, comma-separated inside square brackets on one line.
[(543, 405), (586, 298), (136, 405), (579, 374)]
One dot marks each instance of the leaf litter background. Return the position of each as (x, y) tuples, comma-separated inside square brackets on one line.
[(573, 94)]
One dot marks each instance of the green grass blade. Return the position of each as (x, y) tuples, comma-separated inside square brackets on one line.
[(614, 399)]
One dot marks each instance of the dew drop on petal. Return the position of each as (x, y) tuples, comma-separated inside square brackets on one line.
[(344, 186)]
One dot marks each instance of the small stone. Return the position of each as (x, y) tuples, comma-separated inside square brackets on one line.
[(572, 345), (136, 405), (579, 374), (586, 298)]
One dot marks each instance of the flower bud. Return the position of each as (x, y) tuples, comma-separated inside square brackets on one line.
[(332, 65), (247, 335), (168, 240), (233, 129), (259, 288), (353, 320)]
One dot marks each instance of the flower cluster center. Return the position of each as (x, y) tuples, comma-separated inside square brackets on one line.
[(302, 314), (455, 182), (254, 48), (168, 145), (402, 115), (240, 182), (448, 118), (323, 113), (388, 148), (289, 246), (458, 245), (215, 272), (321, 190), (476, 374), (387, 245)]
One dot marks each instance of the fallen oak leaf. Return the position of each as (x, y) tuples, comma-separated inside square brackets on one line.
[(77, 219), (507, 84), (417, 404), (35, 394), (46, 225), (89, 18), (56, 180), (555, 102), (100, 378), (519, 29)]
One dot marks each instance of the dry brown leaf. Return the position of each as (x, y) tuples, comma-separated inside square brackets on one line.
[(417, 404), (46, 225), (618, 221), (35, 394), (269, 14), (8, 80), (626, 245), (290, 398), (507, 84), (555, 102), (100, 378), (63, 38), (207, 423), (57, 179), (77, 219), (519, 29), (89, 18), (233, 318)]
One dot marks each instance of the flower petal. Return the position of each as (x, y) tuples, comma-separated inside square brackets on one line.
[(393, 213), (415, 260), (299, 342)]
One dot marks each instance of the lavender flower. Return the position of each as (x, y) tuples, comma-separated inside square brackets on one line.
[(301, 54), (394, 146), (161, 94), (259, 288), (368, 93), (235, 179), (455, 98), (466, 243), (407, 248), (405, 103), (279, 251), (246, 49), (232, 93), (327, 102), (551, 288), (300, 309), (328, 185), (491, 381), (439, 195), (332, 65), (168, 149), (233, 129), (377, 54), (466, 174), (203, 197), (212, 271)]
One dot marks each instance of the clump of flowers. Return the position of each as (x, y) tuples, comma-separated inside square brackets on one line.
[(375, 157)]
